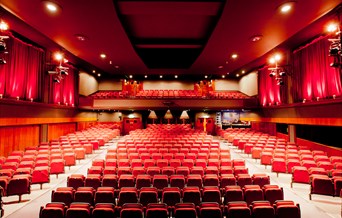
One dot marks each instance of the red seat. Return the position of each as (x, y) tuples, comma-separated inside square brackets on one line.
[(103, 210), (104, 195), (41, 175), (300, 175), (55, 210), (57, 166), (321, 185), (211, 194), (75, 181), (63, 194), (273, 193), (148, 195), (143, 181), (177, 181), (126, 180), (195, 180), (127, 195), (285, 209), (191, 194), (85, 195), (19, 185)]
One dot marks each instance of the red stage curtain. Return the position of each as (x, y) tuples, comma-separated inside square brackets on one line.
[(269, 91), (313, 77), (19, 77)]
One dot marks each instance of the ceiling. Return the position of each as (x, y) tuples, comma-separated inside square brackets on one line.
[(190, 38)]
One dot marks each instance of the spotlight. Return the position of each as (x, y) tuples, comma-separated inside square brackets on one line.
[(333, 64), (334, 51), (64, 72), (2, 45), (280, 82), (272, 74), (2, 61), (56, 80)]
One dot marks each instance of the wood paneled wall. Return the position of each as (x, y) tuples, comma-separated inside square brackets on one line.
[(18, 138), (57, 130)]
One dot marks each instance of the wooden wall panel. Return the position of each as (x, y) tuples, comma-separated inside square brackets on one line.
[(18, 138), (57, 130)]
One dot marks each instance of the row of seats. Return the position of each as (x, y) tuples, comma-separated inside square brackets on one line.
[(168, 195), (170, 94), (161, 181), (238, 209)]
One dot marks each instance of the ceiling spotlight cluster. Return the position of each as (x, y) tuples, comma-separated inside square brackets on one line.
[(335, 49), (277, 72), (60, 71), (3, 36)]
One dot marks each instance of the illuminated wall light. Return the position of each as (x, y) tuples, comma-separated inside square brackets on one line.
[(99, 74), (94, 71), (223, 76), (285, 8), (220, 67), (103, 55), (145, 76), (176, 76), (206, 76), (234, 56), (332, 27), (237, 75), (243, 72), (31, 99), (18, 98), (1, 96), (51, 7), (58, 56), (161, 76), (3, 26), (334, 96), (130, 76)]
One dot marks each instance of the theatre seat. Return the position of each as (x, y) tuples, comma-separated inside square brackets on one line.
[(19, 185), (52, 210), (322, 185)]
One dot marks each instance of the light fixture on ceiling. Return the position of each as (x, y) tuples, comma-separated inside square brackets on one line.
[(52, 6), (81, 37), (223, 76), (145, 76), (234, 56), (277, 72), (99, 74), (256, 38), (335, 48), (3, 35), (176, 76), (60, 71), (286, 7), (103, 56), (161, 76)]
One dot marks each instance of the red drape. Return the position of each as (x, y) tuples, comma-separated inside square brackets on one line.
[(269, 91), (64, 92), (313, 76), (19, 77)]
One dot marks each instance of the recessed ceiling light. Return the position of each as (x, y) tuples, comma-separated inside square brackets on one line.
[(94, 71), (286, 7), (131, 76), (80, 37), (110, 62), (220, 67), (243, 71), (116, 66), (161, 76), (145, 76), (99, 74), (103, 55), (205, 76), (234, 56), (51, 6), (176, 76), (256, 38), (237, 75), (223, 76)]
